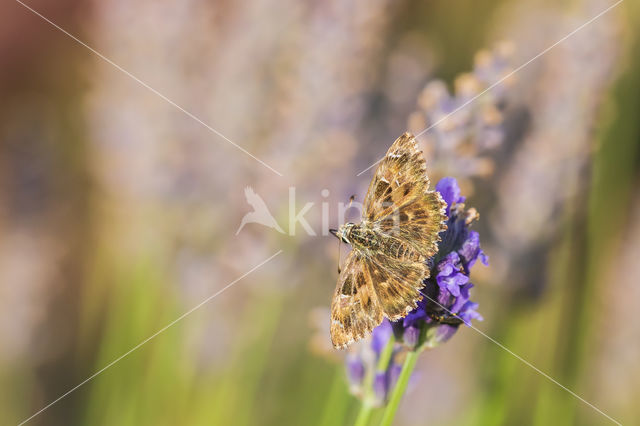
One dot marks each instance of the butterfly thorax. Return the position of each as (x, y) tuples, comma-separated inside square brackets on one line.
[(360, 236), (365, 239)]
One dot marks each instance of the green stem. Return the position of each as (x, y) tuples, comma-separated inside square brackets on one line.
[(336, 405), (364, 414), (385, 356), (399, 389), (367, 404)]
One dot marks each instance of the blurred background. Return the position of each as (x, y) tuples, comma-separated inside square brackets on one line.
[(118, 211)]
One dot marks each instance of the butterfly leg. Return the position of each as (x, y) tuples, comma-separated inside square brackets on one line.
[(446, 318)]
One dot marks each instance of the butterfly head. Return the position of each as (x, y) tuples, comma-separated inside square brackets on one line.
[(343, 232)]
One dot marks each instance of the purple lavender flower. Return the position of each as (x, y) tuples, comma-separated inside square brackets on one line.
[(471, 250), (450, 191), (380, 336), (367, 380), (450, 274), (383, 383), (459, 143), (381, 386), (446, 302), (355, 371)]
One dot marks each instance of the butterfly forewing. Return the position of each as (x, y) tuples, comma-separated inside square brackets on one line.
[(399, 203), (400, 177), (417, 222)]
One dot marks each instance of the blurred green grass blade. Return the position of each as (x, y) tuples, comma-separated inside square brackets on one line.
[(337, 402)]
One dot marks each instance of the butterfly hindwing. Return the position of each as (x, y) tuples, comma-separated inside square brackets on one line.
[(397, 283)]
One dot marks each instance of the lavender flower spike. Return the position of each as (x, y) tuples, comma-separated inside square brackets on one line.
[(446, 303)]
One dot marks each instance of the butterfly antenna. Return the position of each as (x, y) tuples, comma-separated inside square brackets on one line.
[(339, 256)]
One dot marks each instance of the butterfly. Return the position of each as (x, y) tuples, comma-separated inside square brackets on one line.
[(399, 232)]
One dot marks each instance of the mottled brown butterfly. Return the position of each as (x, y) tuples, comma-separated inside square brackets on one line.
[(399, 232)]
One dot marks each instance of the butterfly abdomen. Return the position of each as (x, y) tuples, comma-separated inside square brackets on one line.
[(400, 250)]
